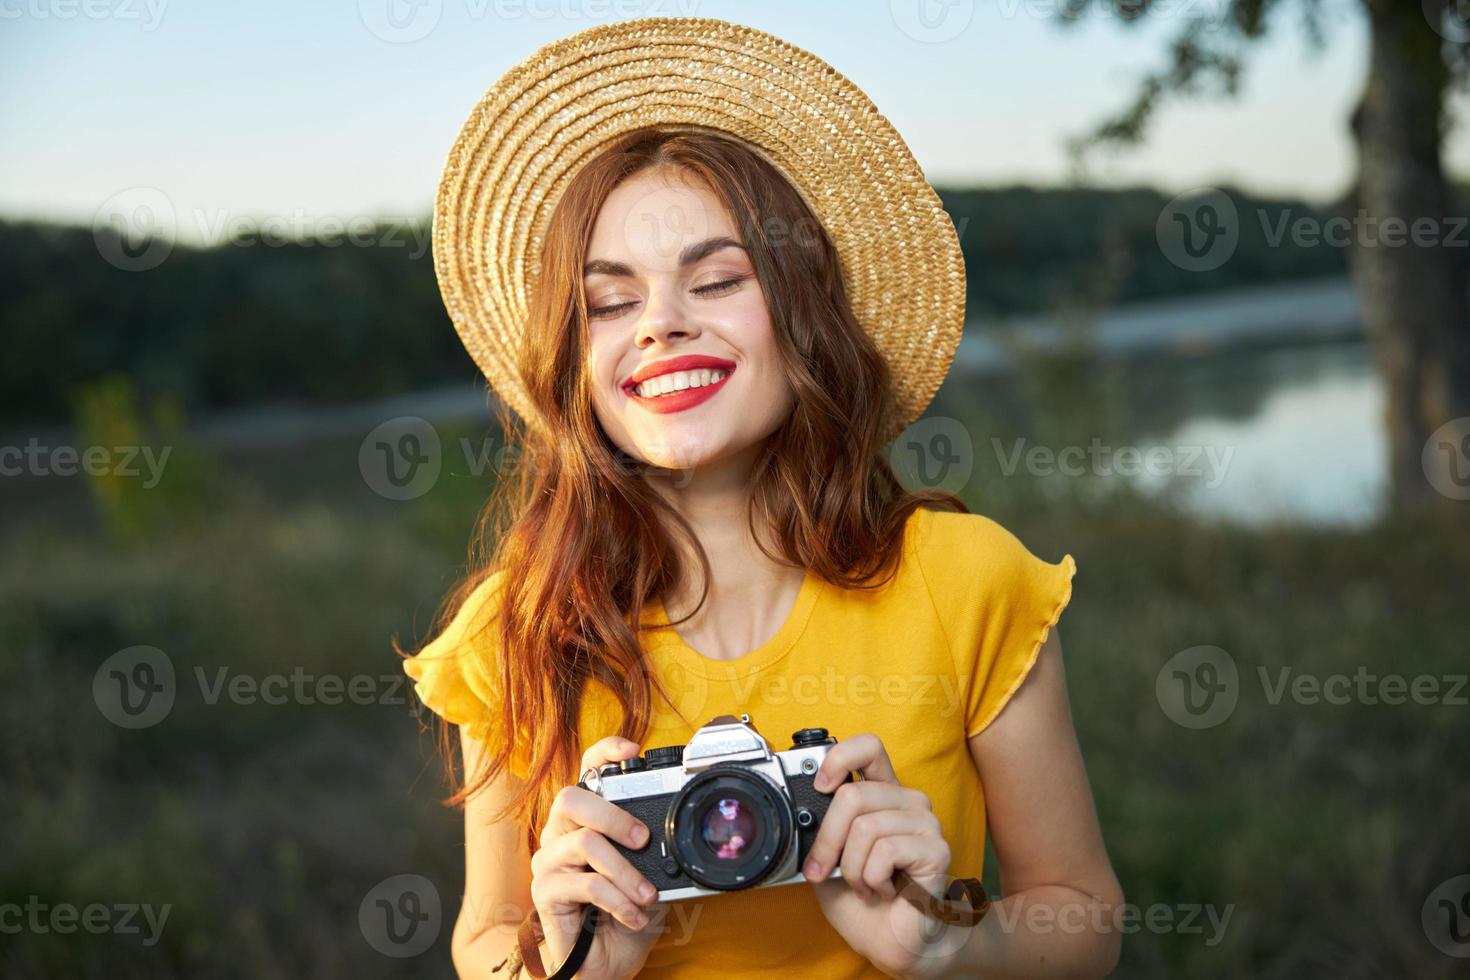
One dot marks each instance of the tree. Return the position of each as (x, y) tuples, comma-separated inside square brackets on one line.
[(1415, 296)]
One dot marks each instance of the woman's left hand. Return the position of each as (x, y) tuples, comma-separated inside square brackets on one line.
[(875, 827)]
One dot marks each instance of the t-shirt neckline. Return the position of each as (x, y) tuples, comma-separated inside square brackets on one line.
[(668, 641)]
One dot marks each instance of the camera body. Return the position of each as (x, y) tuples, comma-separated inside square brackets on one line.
[(723, 812)]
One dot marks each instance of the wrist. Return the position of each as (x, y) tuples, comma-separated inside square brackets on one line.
[(947, 958)]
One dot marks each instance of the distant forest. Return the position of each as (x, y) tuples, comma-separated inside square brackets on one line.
[(309, 322)]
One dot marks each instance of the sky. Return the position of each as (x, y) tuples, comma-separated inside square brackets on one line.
[(346, 108)]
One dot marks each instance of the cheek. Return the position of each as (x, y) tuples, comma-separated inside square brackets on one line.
[(600, 368), (600, 376), (755, 338)]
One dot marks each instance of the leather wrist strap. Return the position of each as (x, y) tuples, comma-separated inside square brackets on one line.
[(531, 934), (964, 904)]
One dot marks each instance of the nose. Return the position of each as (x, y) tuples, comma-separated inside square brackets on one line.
[(664, 319)]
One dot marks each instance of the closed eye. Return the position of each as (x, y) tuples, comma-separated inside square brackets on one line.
[(720, 288)]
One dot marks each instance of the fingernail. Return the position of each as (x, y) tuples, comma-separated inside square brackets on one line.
[(812, 871), (640, 835), (640, 920), (647, 891), (819, 783)]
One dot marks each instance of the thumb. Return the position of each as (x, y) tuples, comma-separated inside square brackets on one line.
[(614, 748)]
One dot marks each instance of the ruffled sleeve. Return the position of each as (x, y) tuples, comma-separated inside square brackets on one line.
[(997, 602), (455, 674)]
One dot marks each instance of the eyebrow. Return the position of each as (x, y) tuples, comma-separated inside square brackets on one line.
[(688, 256)]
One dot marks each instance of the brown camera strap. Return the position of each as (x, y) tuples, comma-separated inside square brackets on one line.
[(531, 936), (965, 902)]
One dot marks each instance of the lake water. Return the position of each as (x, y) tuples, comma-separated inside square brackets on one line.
[(1258, 404), (1250, 435), (1303, 430)]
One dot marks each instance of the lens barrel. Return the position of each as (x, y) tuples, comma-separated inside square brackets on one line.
[(729, 828)]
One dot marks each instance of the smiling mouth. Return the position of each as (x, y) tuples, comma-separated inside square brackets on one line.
[(661, 395), (666, 385)]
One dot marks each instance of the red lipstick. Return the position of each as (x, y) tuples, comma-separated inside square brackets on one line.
[(678, 401)]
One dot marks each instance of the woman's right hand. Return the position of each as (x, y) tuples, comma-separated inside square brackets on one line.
[(576, 865)]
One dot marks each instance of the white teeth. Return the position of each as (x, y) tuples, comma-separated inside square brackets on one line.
[(678, 381)]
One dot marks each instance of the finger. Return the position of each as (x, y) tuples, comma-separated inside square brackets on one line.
[(918, 854), (611, 749), (867, 830), (863, 754), (850, 800), (574, 808), (587, 848), (572, 888)]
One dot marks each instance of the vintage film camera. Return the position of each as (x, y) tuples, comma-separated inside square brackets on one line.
[(723, 812)]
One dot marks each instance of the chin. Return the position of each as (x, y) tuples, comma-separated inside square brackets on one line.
[(679, 450)]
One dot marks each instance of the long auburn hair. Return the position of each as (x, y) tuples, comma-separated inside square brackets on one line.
[(576, 526)]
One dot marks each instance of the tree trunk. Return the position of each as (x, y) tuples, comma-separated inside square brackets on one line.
[(1416, 309)]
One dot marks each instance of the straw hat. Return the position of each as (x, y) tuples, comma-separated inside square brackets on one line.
[(534, 128)]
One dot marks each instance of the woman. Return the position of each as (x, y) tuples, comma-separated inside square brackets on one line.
[(711, 316)]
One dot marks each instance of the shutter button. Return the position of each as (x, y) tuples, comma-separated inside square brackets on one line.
[(810, 736)]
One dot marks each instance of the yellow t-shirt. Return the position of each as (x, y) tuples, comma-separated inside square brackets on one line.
[(924, 663)]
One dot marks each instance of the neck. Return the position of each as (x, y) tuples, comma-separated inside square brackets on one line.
[(746, 586)]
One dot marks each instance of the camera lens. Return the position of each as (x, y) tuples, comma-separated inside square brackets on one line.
[(729, 827)]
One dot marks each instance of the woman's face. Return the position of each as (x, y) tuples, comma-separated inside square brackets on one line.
[(669, 285)]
